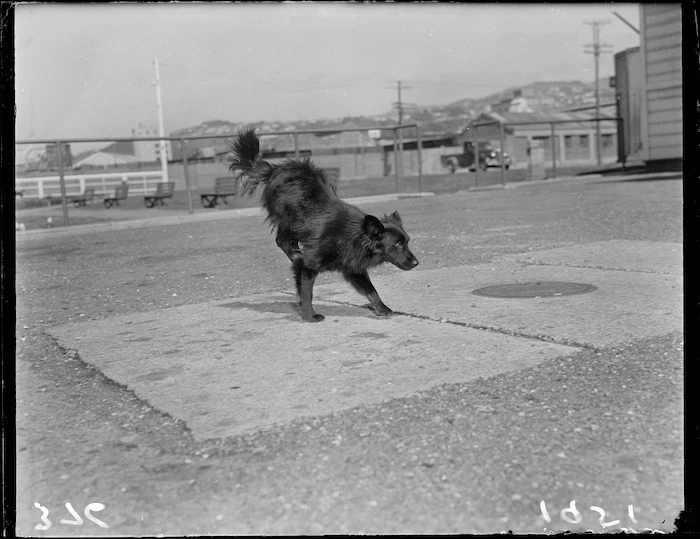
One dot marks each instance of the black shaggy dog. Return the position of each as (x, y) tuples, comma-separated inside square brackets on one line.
[(315, 229)]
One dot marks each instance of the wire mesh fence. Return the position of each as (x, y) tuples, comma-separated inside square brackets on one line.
[(366, 161), (61, 171)]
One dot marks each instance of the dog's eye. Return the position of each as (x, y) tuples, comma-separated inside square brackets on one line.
[(399, 244)]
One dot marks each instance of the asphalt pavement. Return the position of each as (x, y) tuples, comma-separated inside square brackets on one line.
[(529, 380)]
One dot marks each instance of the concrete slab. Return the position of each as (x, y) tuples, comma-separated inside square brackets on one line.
[(625, 255), (232, 366), (626, 305)]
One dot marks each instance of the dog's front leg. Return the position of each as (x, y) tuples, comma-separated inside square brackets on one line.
[(361, 283), (305, 278), (288, 244)]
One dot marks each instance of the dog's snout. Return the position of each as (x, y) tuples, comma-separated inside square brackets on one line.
[(414, 262)]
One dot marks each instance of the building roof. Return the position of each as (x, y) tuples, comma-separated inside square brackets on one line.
[(520, 117), (318, 141), (101, 158), (285, 143)]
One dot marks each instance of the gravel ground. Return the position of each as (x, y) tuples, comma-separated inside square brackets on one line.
[(602, 428)]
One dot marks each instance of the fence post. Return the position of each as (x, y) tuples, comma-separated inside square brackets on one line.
[(554, 152), (185, 166), (396, 162), (296, 144), (599, 156), (400, 133), (476, 156), (503, 164), (81, 179), (419, 147), (62, 181), (621, 151)]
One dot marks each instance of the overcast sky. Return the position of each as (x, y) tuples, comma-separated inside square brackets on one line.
[(86, 70)]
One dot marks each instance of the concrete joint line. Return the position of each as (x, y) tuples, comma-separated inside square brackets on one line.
[(538, 338), (600, 268)]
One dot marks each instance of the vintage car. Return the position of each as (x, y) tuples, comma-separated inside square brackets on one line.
[(488, 157)]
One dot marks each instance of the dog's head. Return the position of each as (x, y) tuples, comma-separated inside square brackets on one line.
[(390, 240)]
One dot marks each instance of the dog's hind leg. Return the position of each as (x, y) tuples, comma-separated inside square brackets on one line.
[(305, 278), (361, 283)]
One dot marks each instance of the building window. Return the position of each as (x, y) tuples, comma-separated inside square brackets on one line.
[(607, 141), (568, 142), (583, 141), (546, 143)]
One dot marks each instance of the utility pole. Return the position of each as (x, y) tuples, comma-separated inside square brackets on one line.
[(596, 49), (400, 105), (161, 128)]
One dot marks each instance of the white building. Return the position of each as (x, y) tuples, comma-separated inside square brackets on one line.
[(147, 151)]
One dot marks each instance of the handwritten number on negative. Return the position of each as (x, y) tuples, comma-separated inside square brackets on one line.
[(77, 519)]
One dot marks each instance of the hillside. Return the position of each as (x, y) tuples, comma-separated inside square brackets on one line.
[(545, 96), (541, 97)]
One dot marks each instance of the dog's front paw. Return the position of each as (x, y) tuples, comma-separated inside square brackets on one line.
[(314, 318), (385, 311)]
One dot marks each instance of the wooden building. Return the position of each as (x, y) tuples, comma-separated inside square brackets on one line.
[(662, 95)]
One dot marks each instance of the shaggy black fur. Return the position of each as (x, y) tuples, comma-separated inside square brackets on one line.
[(316, 230)]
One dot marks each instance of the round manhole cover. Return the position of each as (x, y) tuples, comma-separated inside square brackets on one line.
[(539, 289)]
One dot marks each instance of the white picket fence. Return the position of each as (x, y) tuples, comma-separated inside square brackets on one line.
[(139, 183)]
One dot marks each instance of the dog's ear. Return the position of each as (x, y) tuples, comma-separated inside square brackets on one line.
[(372, 226), (393, 218)]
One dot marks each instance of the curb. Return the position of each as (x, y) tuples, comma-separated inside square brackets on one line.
[(513, 185), (493, 187), (249, 212), (175, 219), (415, 195)]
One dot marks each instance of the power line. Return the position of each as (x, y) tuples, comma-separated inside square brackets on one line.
[(596, 49), (633, 27)]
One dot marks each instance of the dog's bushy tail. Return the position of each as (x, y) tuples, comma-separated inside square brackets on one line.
[(252, 171)]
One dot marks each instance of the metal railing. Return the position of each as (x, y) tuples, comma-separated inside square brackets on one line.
[(398, 147)]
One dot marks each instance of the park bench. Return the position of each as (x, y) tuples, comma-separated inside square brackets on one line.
[(120, 193), (163, 190), (82, 199), (52, 197), (224, 187)]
